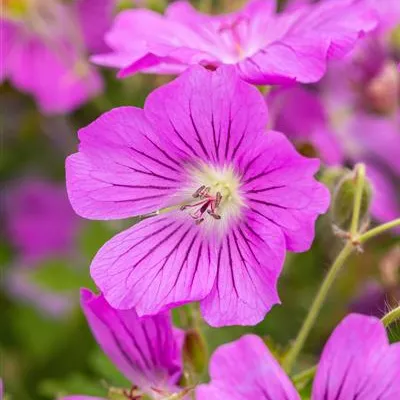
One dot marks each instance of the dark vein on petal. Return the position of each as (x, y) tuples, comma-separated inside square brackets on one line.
[(164, 152), (183, 140), (149, 345), (228, 139), (231, 265), (266, 189), (266, 203), (216, 144), (154, 159), (197, 263), (199, 139), (134, 342)]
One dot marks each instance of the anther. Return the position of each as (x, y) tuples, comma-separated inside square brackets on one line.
[(198, 192), (214, 215), (218, 199)]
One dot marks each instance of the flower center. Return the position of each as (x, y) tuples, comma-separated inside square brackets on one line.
[(216, 195)]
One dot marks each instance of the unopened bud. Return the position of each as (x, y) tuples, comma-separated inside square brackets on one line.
[(331, 176), (195, 352), (343, 200)]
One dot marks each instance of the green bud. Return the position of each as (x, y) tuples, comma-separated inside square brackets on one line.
[(331, 176), (195, 352), (343, 200)]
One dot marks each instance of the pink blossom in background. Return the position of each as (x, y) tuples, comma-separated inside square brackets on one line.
[(45, 50), (19, 284), (357, 363), (148, 351), (40, 222), (265, 47), (354, 114), (232, 198)]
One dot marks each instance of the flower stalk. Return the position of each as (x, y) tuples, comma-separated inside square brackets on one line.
[(391, 316), (354, 240)]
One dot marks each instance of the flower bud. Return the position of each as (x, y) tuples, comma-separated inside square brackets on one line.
[(195, 352), (343, 200)]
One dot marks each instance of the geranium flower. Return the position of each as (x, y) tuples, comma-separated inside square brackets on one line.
[(265, 47), (148, 351), (229, 199), (45, 50), (356, 363)]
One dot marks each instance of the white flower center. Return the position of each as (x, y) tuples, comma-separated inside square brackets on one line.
[(214, 196)]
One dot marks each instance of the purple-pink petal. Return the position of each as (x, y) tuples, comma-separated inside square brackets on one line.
[(157, 264), (245, 369), (279, 187), (358, 363), (95, 19), (216, 120), (121, 169), (146, 350)]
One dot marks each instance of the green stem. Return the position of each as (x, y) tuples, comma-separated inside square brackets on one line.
[(306, 375), (360, 179), (378, 230), (319, 300), (391, 316), (316, 307)]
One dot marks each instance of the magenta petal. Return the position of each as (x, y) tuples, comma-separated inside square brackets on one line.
[(121, 170), (249, 262), (218, 115), (294, 59), (280, 187), (147, 350), (52, 78), (243, 370), (157, 264), (95, 20), (358, 362)]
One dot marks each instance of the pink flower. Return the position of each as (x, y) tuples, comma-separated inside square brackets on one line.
[(356, 363), (265, 47), (40, 221), (148, 351), (44, 51), (227, 199)]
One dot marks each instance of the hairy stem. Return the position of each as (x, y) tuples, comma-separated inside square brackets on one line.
[(378, 230), (360, 179), (391, 317)]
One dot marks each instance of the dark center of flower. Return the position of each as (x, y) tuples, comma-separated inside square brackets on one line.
[(206, 203)]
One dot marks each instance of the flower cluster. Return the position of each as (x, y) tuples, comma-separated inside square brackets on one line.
[(218, 177)]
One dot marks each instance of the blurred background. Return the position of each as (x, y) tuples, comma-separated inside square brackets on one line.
[(46, 348)]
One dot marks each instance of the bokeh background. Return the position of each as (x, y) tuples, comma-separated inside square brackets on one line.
[(46, 348)]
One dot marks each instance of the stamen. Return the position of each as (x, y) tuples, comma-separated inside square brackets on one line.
[(208, 203)]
